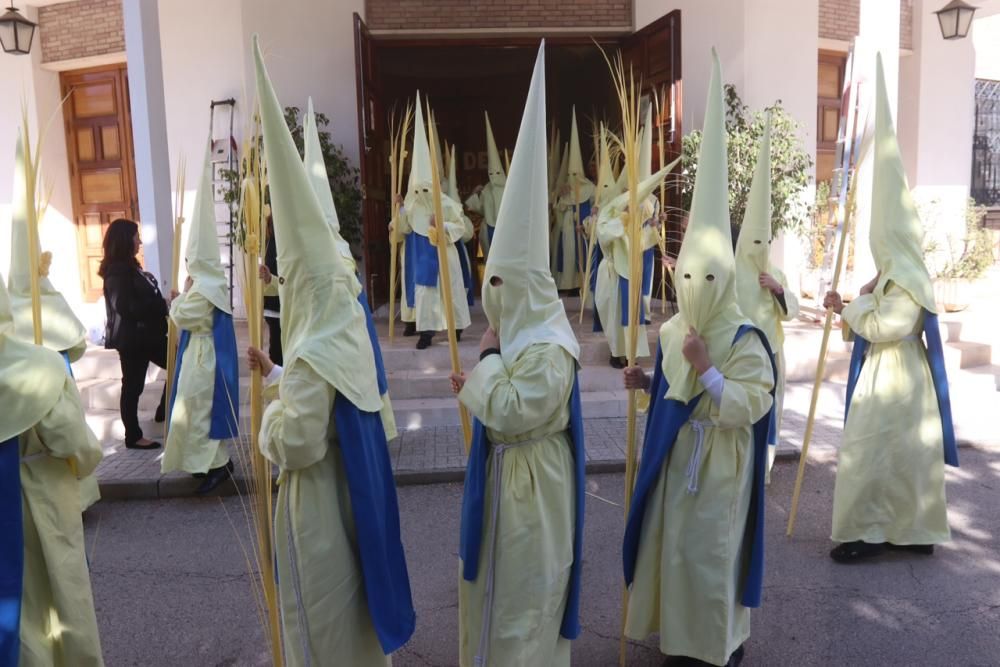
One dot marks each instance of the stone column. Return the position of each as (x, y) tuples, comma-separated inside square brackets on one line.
[(149, 133)]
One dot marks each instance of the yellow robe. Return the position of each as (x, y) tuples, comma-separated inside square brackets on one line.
[(689, 563), (188, 446), (890, 470), (486, 204), (525, 403), (614, 265), (58, 623), (428, 311), (324, 612)]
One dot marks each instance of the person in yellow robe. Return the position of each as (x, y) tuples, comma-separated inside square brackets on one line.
[(62, 331), (761, 288), (47, 616), (522, 510), (571, 208), (898, 436), (342, 580), (485, 199), (693, 548), (204, 409), (604, 192), (611, 296)]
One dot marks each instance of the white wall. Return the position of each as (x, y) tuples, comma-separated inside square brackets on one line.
[(986, 40), (26, 80)]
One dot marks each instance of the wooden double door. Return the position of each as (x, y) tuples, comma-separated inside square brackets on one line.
[(98, 127)]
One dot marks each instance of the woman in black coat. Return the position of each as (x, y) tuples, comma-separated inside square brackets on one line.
[(136, 323)]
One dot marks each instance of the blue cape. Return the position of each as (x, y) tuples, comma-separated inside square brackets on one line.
[(226, 396), (598, 257), (463, 258), (375, 509), (473, 509), (664, 422), (490, 230), (421, 266), (584, 213), (647, 277), (11, 552), (935, 360), (383, 384)]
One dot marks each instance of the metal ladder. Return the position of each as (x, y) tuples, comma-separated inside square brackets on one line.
[(224, 157)]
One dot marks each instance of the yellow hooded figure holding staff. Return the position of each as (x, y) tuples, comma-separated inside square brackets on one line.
[(693, 547), (761, 288), (47, 616), (342, 579), (898, 434), (485, 199)]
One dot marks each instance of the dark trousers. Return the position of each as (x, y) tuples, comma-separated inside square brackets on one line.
[(134, 364), (274, 340)]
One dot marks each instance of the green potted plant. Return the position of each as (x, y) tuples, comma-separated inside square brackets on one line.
[(955, 261)]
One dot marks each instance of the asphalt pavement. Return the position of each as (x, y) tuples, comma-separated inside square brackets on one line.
[(171, 584)]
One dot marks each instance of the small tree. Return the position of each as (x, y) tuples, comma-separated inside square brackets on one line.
[(789, 162), (344, 178)]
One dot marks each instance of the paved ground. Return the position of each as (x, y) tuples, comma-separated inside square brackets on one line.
[(171, 587)]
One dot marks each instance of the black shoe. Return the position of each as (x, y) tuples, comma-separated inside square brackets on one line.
[(922, 549), (458, 335), (616, 362), (425, 341), (410, 329), (160, 414), (852, 552), (135, 445), (215, 477), (736, 658)]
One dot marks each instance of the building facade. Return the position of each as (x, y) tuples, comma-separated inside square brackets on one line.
[(139, 77)]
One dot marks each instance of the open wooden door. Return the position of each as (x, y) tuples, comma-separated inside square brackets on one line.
[(101, 163), (655, 54), (374, 159)]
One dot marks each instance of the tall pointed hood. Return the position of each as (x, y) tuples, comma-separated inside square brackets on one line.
[(441, 147), (526, 308), (646, 146), (320, 181), (706, 268), (420, 156), (562, 177), (576, 173), (61, 330), (322, 322), (895, 234), (754, 244), (554, 155), (32, 379), (495, 170), (453, 176), (202, 257), (607, 187)]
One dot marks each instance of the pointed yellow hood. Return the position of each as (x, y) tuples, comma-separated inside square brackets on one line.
[(453, 176), (494, 167), (419, 187), (705, 273), (61, 330), (526, 308), (646, 145), (316, 169), (576, 176), (32, 378), (322, 322), (754, 244), (202, 257), (607, 187), (895, 234)]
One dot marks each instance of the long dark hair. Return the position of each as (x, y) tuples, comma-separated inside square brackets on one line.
[(119, 244)]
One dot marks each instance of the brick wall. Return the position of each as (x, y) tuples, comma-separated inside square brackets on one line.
[(510, 14), (81, 29), (838, 19)]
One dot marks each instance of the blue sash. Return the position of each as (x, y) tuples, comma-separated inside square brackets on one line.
[(463, 258), (935, 361), (474, 500), (598, 257), (69, 367), (375, 509), (226, 395), (490, 229), (421, 265), (664, 422), (383, 384), (647, 277), (11, 552)]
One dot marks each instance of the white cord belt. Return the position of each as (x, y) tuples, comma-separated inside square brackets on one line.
[(499, 449), (694, 465), (33, 457)]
